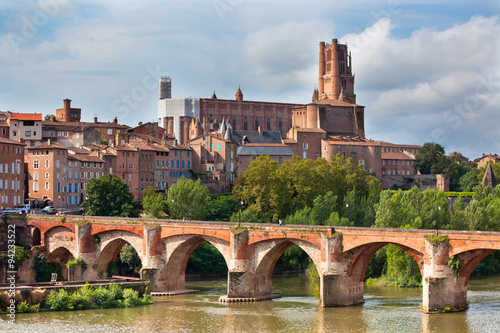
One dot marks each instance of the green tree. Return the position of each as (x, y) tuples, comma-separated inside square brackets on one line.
[(109, 196), (48, 117), (430, 158), (221, 207), (470, 180), (129, 256), (154, 204), (187, 199), (206, 259)]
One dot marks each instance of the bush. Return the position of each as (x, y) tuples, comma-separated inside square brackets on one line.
[(59, 301), (89, 298), (42, 271), (24, 307)]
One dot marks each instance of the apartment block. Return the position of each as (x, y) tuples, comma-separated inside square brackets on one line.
[(11, 173)]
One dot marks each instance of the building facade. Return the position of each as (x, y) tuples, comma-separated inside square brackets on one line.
[(11, 173)]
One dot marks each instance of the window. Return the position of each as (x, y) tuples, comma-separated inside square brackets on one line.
[(383, 162), (35, 165), (35, 176), (376, 150), (131, 165), (218, 147), (268, 123), (27, 133), (110, 131), (188, 153), (305, 145), (189, 164), (353, 150), (362, 163), (46, 175), (256, 123), (183, 164), (57, 164), (245, 124), (175, 152), (35, 187), (363, 150)]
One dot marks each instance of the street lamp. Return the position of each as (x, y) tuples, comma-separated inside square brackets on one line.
[(239, 215), (437, 221), (348, 211)]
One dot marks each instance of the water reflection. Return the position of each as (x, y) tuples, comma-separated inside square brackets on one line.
[(385, 310)]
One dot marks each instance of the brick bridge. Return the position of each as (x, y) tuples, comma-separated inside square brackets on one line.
[(252, 250)]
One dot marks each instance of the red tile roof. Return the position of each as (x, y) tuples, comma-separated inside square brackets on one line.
[(26, 116)]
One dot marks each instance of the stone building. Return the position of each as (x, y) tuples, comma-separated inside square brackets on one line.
[(11, 173)]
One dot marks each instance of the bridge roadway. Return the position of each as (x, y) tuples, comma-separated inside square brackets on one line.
[(251, 251)]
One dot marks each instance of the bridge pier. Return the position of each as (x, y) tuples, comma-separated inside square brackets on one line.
[(85, 249), (340, 290), (154, 260), (443, 289)]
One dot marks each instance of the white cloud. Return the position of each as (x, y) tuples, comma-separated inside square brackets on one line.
[(431, 85)]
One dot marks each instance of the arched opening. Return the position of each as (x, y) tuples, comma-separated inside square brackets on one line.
[(388, 264), (295, 273), (292, 257), (56, 262), (36, 238), (119, 258), (198, 256)]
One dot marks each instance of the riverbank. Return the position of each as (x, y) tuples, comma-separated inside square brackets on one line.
[(39, 293)]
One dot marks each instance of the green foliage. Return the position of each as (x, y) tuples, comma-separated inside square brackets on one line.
[(24, 307), (206, 259), (313, 278), (129, 256), (154, 204), (470, 179), (377, 265), (187, 199), (101, 298), (20, 255), (42, 271), (112, 268), (300, 217), (77, 262), (246, 216), (431, 159), (109, 196), (455, 264), (272, 192), (436, 239), (402, 270), (294, 258), (59, 301), (56, 267), (221, 207)]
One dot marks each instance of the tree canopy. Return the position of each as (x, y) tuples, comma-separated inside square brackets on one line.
[(272, 192), (154, 204), (109, 196), (187, 199)]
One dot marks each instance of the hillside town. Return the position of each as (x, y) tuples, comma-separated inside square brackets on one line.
[(49, 159)]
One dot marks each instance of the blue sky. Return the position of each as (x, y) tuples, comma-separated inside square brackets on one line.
[(424, 71)]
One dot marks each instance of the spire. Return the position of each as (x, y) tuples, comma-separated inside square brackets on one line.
[(239, 94), (315, 95), (222, 129), (214, 96), (227, 135), (489, 177)]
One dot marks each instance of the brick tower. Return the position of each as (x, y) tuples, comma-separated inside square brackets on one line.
[(335, 72)]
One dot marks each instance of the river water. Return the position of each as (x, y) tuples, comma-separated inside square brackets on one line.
[(386, 309)]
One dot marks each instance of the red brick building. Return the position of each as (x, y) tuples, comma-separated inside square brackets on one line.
[(11, 173)]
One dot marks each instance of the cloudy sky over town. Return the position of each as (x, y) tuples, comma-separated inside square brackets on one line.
[(424, 71)]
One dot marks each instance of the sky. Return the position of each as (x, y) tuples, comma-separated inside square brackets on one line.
[(426, 71)]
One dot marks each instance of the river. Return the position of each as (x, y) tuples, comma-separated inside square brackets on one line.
[(386, 309)]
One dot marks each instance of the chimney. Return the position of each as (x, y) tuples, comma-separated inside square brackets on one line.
[(115, 121), (140, 123), (259, 129), (21, 140), (48, 142), (95, 120)]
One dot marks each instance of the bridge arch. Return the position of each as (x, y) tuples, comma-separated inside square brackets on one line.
[(110, 245), (360, 257), (268, 254), (61, 256), (178, 251), (60, 236)]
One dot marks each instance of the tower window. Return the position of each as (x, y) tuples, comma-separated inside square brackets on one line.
[(245, 125)]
